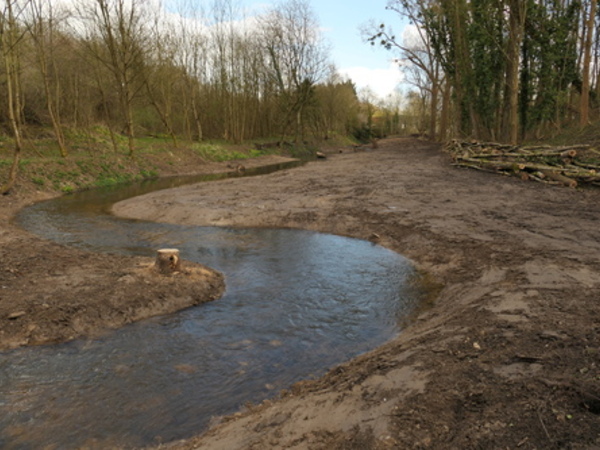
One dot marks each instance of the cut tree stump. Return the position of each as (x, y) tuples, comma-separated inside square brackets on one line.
[(168, 261)]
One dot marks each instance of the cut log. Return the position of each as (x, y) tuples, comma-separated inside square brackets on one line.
[(570, 182), (566, 165), (569, 153), (586, 165), (168, 261)]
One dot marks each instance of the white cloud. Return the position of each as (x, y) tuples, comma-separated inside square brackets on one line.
[(382, 82), (412, 36)]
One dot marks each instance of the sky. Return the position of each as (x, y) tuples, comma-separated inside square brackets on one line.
[(341, 21), (366, 65)]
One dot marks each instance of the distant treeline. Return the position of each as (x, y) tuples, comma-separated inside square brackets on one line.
[(197, 74)]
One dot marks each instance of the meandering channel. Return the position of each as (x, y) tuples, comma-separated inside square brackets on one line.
[(297, 303)]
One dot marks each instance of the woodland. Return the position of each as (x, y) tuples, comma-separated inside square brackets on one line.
[(493, 70), (131, 68), (501, 70)]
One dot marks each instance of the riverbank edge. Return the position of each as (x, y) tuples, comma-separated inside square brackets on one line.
[(51, 293)]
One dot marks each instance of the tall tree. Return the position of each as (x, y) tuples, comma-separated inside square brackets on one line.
[(589, 30), (11, 37), (117, 37), (42, 25), (192, 56), (516, 30), (296, 58), (160, 76), (415, 54), (510, 66)]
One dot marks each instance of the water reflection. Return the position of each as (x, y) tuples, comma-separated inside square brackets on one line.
[(297, 302)]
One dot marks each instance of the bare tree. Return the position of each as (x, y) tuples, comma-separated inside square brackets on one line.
[(116, 35), (160, 75), (415, 54), (296, 57), (192, 57), (42, 29), (11, 36)]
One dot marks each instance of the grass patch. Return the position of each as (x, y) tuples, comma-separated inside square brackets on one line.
[(112, 180), (148, 173), (216, 152)]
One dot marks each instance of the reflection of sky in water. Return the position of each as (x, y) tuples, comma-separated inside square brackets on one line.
[(297, 302)]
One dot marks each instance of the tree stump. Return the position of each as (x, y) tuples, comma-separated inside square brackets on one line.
[(168, 261)]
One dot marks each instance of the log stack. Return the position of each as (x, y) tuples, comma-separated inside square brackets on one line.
[(567, 165)]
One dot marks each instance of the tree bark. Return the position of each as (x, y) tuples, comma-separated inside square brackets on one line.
[(445, 115), (584, 110), (511, 100)]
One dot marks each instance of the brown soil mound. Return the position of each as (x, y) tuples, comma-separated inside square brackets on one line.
[(53, 294)]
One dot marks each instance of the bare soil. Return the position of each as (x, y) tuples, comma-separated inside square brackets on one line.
[(507, 356)]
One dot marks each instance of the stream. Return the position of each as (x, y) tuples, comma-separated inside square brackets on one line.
[(297, 303)]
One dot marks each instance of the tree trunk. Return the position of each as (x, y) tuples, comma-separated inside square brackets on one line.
[(42, 28), (511, 100), (113, 138), (8, 46), (168, 261), (433, 107), (129, 127), (444, 120), (53, 112), (163, 114), (584, 110)]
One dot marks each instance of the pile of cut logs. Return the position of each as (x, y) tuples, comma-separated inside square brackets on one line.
[(569, 165)]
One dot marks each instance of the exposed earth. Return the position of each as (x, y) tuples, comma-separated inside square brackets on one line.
[(507, 355)]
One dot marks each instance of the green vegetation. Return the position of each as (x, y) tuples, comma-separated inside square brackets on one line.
[(97, 165), (216, 152), (504, 71)]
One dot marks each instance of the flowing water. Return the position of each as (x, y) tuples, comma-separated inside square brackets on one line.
[(297, 303)]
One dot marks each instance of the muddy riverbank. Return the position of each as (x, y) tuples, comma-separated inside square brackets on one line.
[(50, 293), (508, 355)]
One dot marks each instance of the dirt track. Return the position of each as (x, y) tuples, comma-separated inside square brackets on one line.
[(509, 355)]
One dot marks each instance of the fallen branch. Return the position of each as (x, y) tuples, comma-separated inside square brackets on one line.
[(565, 165), (569, 182)]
